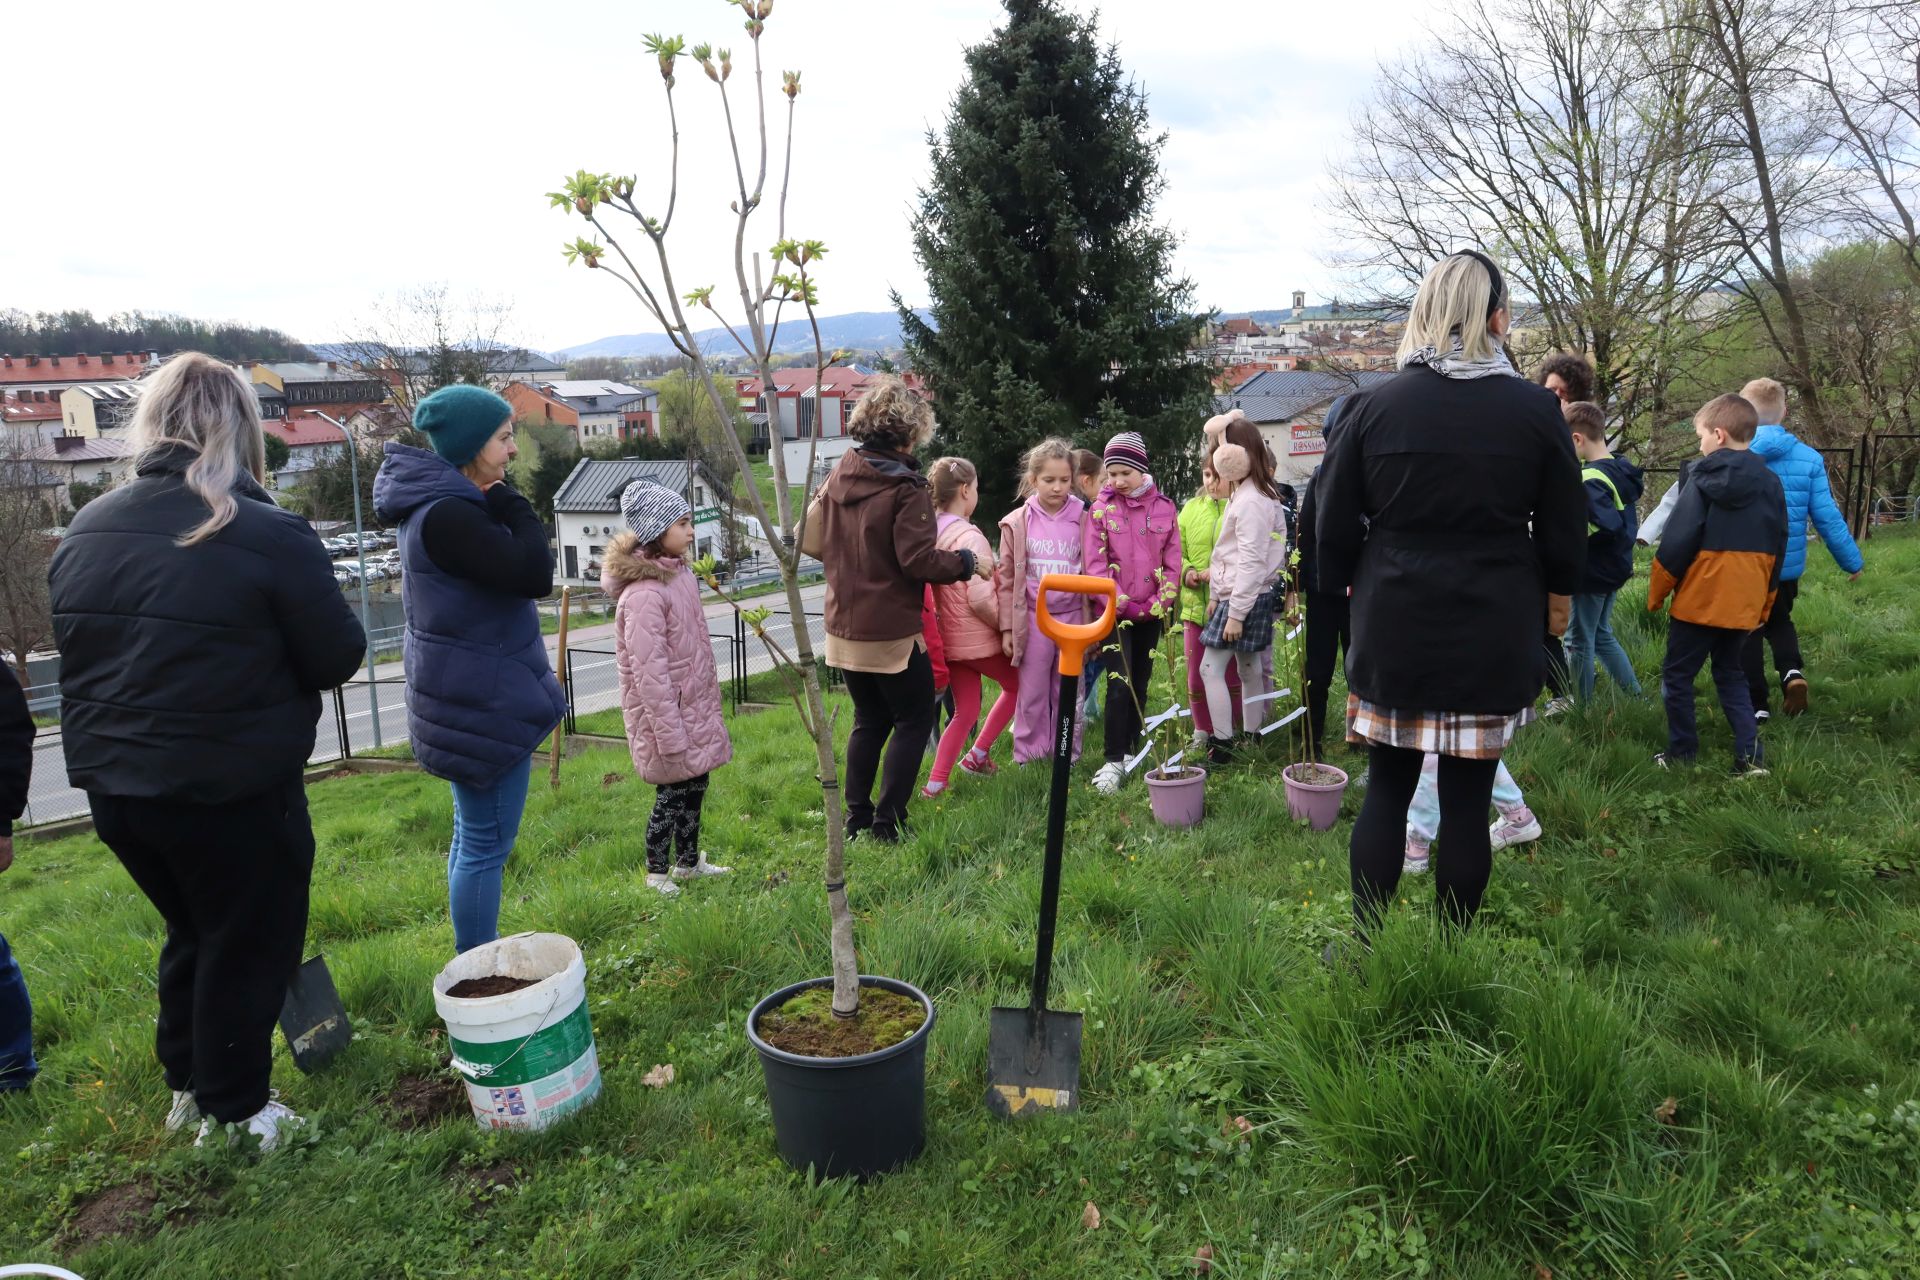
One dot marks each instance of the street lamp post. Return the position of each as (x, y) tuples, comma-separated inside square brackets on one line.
[(360, 550)]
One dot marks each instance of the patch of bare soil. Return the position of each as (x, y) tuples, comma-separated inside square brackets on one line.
[(420, 1102)]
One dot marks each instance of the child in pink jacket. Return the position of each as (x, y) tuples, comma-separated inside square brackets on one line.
[(1044, 534), (969, 629), (669, 691), (1134, 538)]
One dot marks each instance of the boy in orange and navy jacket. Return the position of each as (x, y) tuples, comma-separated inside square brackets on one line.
[(1719, 559)]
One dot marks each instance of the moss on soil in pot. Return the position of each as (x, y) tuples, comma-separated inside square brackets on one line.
[(805, 1024)]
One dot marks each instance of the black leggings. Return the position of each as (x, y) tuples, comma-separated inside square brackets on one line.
[(1463, 853), (894, 712), (1129, 659), (675, 820)]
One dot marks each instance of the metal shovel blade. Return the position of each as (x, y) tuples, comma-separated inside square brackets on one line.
[(1031, 1069), (313, 1019)]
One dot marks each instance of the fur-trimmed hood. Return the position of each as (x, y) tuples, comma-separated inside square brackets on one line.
[(626, 563)]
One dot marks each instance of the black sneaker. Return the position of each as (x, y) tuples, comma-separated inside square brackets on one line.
[(1221, 752)]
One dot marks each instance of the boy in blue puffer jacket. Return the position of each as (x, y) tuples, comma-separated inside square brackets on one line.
[(1803, 476)]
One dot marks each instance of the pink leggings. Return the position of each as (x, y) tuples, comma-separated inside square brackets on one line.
[(964, 680), (1197, 689)]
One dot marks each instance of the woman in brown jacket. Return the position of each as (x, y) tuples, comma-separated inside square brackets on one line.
[(878, 537)]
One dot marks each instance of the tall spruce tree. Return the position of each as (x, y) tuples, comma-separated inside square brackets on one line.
[(1054, 306)]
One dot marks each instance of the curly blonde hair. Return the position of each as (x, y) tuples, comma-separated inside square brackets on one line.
[(891, 415)]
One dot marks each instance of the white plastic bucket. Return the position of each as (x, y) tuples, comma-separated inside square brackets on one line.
[(527, 1056)]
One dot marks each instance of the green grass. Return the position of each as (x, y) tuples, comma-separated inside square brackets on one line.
[(1468, 1109)]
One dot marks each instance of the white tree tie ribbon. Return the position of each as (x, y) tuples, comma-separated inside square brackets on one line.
[(1180, 712)]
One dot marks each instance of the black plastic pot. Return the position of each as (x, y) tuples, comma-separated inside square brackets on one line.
[(847, 1116)]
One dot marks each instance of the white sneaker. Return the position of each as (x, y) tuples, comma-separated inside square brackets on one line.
[(1417, 860), (664, 883), (1556, 706), (185, 1111), (1507, 832), (698, 869), (1199, 740), (1108, 779), (265, 1124)]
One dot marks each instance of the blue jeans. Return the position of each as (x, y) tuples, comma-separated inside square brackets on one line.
[(485, 822), (1590, 635), (1423, 815), (1689, 646), (17, 1067)]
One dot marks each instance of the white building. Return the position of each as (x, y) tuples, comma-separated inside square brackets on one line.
[(586, 510)]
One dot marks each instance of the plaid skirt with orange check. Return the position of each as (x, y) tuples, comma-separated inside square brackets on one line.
[(1444, 733)]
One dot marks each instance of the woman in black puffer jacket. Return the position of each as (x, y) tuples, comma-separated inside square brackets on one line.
[(197, 624)]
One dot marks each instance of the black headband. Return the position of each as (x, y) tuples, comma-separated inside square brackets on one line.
[(1499, 281)]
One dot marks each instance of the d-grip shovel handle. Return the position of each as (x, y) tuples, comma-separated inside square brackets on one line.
[(1075, 638)]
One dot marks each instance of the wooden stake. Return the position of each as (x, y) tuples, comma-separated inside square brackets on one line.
[(560, 730)]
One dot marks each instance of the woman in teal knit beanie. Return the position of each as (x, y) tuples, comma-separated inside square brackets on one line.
[(481, 693)]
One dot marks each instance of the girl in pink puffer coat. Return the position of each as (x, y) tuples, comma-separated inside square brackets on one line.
[(669, 691), (969, 621)]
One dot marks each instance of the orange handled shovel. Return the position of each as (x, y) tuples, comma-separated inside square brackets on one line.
[(1033, 1054)]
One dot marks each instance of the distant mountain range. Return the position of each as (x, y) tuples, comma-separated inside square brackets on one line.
[(857, 331)]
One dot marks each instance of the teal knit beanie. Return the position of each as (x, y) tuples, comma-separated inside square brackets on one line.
[(458, 420)]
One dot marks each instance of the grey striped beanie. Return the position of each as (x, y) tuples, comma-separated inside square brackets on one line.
[(650, 509)]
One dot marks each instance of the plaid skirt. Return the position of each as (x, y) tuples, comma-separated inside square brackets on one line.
[(1256, 629), (1444, 733)]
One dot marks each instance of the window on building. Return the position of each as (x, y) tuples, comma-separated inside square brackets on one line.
[(699, 495)]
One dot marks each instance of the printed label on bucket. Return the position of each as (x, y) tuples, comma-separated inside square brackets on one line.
[(504, 1063), (538, 1103)]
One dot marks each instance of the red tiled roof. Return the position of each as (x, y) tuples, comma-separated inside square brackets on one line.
[(304, 430), (27, 370), (29, 406), (1243, 324)]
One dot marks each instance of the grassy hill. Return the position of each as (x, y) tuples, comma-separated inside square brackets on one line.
[(1684, 1041)]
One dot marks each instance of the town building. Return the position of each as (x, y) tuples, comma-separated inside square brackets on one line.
[(55, 465), (90, 410), (57, 373), (537, 404), (325, 384), (28, 416), (586, 510), (809, 423), (602, 408), (1290, 408)]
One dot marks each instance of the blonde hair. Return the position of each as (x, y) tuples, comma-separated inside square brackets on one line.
[(891, 416), (204, 405), (1768, 398), (949, 476), (1052, 449), (1455, 301)]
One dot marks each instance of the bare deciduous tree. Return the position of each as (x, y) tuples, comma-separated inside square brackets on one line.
[(29, 499), (423, 338), (1560, 141), (1868, 69)]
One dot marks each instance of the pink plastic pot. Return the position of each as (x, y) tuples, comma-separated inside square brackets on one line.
[(1179, 800), (1317, 802)]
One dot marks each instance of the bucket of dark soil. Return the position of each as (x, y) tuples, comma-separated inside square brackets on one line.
[(517, 1022), (1314, 791), (848, 1095)]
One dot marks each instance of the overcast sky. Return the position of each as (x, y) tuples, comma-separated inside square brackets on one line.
[(287, 165)]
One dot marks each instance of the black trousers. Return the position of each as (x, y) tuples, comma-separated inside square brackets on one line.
[(1463, 852), (894, 712), (1778, 632), (1329, 634), (675, 820), (1554, 650), (1129, 662), (231, 882)]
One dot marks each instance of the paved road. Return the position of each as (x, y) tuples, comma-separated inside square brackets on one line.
[(595, 687)]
